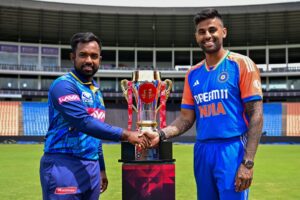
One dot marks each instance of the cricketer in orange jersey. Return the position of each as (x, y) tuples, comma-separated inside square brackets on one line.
[(223, 95)]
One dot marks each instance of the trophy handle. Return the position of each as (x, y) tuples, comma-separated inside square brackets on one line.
[(169, 87), (124, 86), (168, 90)]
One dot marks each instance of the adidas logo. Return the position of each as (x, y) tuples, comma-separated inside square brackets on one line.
[(196, 83)]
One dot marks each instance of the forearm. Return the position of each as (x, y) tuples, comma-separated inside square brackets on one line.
[(101, 130), (101, 157), (179, 126), (254, 111)]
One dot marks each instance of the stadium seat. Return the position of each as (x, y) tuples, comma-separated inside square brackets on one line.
[(9, 118), (293, 119), (35, 118), (272, 119)]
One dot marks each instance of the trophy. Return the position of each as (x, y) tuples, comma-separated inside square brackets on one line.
[(150, 95)]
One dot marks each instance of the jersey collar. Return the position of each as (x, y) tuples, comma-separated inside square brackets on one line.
[(82, 80), (212, 68)]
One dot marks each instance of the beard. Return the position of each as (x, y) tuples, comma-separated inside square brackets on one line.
[(213, 49), (87, 70)]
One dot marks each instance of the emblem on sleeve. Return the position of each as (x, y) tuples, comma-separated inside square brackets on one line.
[(68, 98), (257, 84)]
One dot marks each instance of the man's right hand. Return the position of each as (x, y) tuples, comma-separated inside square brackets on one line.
[(152, 136), (135, 138)]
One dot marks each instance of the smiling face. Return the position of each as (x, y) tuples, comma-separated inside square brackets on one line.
[(87, 59), (210, 34)]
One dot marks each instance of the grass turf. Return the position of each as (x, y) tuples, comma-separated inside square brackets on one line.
[(276, 175)]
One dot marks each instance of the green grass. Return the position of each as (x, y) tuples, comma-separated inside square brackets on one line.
[(276, 175)]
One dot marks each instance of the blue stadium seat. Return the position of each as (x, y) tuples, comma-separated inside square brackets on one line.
[(35, 118), (272, 119)]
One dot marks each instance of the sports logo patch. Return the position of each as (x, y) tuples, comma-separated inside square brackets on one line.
[(65, 190), (257, 84), (86, 97), (96, 113), (68, 98), (223, 77), (196, 83)]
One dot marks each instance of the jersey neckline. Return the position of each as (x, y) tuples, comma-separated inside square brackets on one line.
[(208, 68)]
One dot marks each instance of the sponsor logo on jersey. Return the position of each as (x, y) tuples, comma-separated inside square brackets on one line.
[(65, 190), (97, 113), (211, 95), (223, 77), (213, 109), (68, 98), (196, 83), (86, 97)]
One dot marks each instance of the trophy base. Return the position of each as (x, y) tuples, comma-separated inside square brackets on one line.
[(162, 153), (144, 125)]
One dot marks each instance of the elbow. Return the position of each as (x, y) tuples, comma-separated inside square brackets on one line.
[(81, 124)]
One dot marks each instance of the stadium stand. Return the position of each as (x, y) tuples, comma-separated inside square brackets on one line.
[(141, 39), (35, 118), (272, 119), (292, 119), (9, 118)]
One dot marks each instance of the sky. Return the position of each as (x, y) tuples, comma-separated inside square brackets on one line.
[(169, 3)]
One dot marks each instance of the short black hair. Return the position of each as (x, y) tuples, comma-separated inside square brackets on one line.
[(83, 38), (209, 13)]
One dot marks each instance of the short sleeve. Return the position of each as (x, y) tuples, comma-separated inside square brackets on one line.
[(187, 97), (250, 83)]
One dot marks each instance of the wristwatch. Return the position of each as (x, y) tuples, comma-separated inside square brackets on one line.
[(248, 163), (162, 135)]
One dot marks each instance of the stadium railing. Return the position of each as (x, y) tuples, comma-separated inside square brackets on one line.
[(16, 67)]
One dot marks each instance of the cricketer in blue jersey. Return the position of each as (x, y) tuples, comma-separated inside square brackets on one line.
[(72, 166), (223, 95)]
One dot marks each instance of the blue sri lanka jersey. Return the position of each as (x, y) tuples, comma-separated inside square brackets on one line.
[(76, 115), (218, 94)]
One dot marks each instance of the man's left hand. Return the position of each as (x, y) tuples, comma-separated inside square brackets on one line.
[(104, 182), (243, 178)]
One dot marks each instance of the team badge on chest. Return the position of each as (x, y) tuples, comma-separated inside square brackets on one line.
[(223, 77)]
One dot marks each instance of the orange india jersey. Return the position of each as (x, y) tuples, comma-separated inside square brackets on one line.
[(218, 94)]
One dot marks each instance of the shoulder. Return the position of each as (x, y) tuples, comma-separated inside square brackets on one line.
[(236, 57), (244, 62), (195, 67), (62, 82)]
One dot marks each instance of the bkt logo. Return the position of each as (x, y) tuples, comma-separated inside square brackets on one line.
[(97, 113), (86, 97)]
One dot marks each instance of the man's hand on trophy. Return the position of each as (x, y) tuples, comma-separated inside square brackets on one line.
[(136, 139), (152, 136)]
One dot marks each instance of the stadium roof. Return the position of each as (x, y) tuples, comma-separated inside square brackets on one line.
[(90, 8), (54, 23), (169, 3)]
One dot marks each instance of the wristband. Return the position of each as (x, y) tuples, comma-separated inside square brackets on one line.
[(162, 135)]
